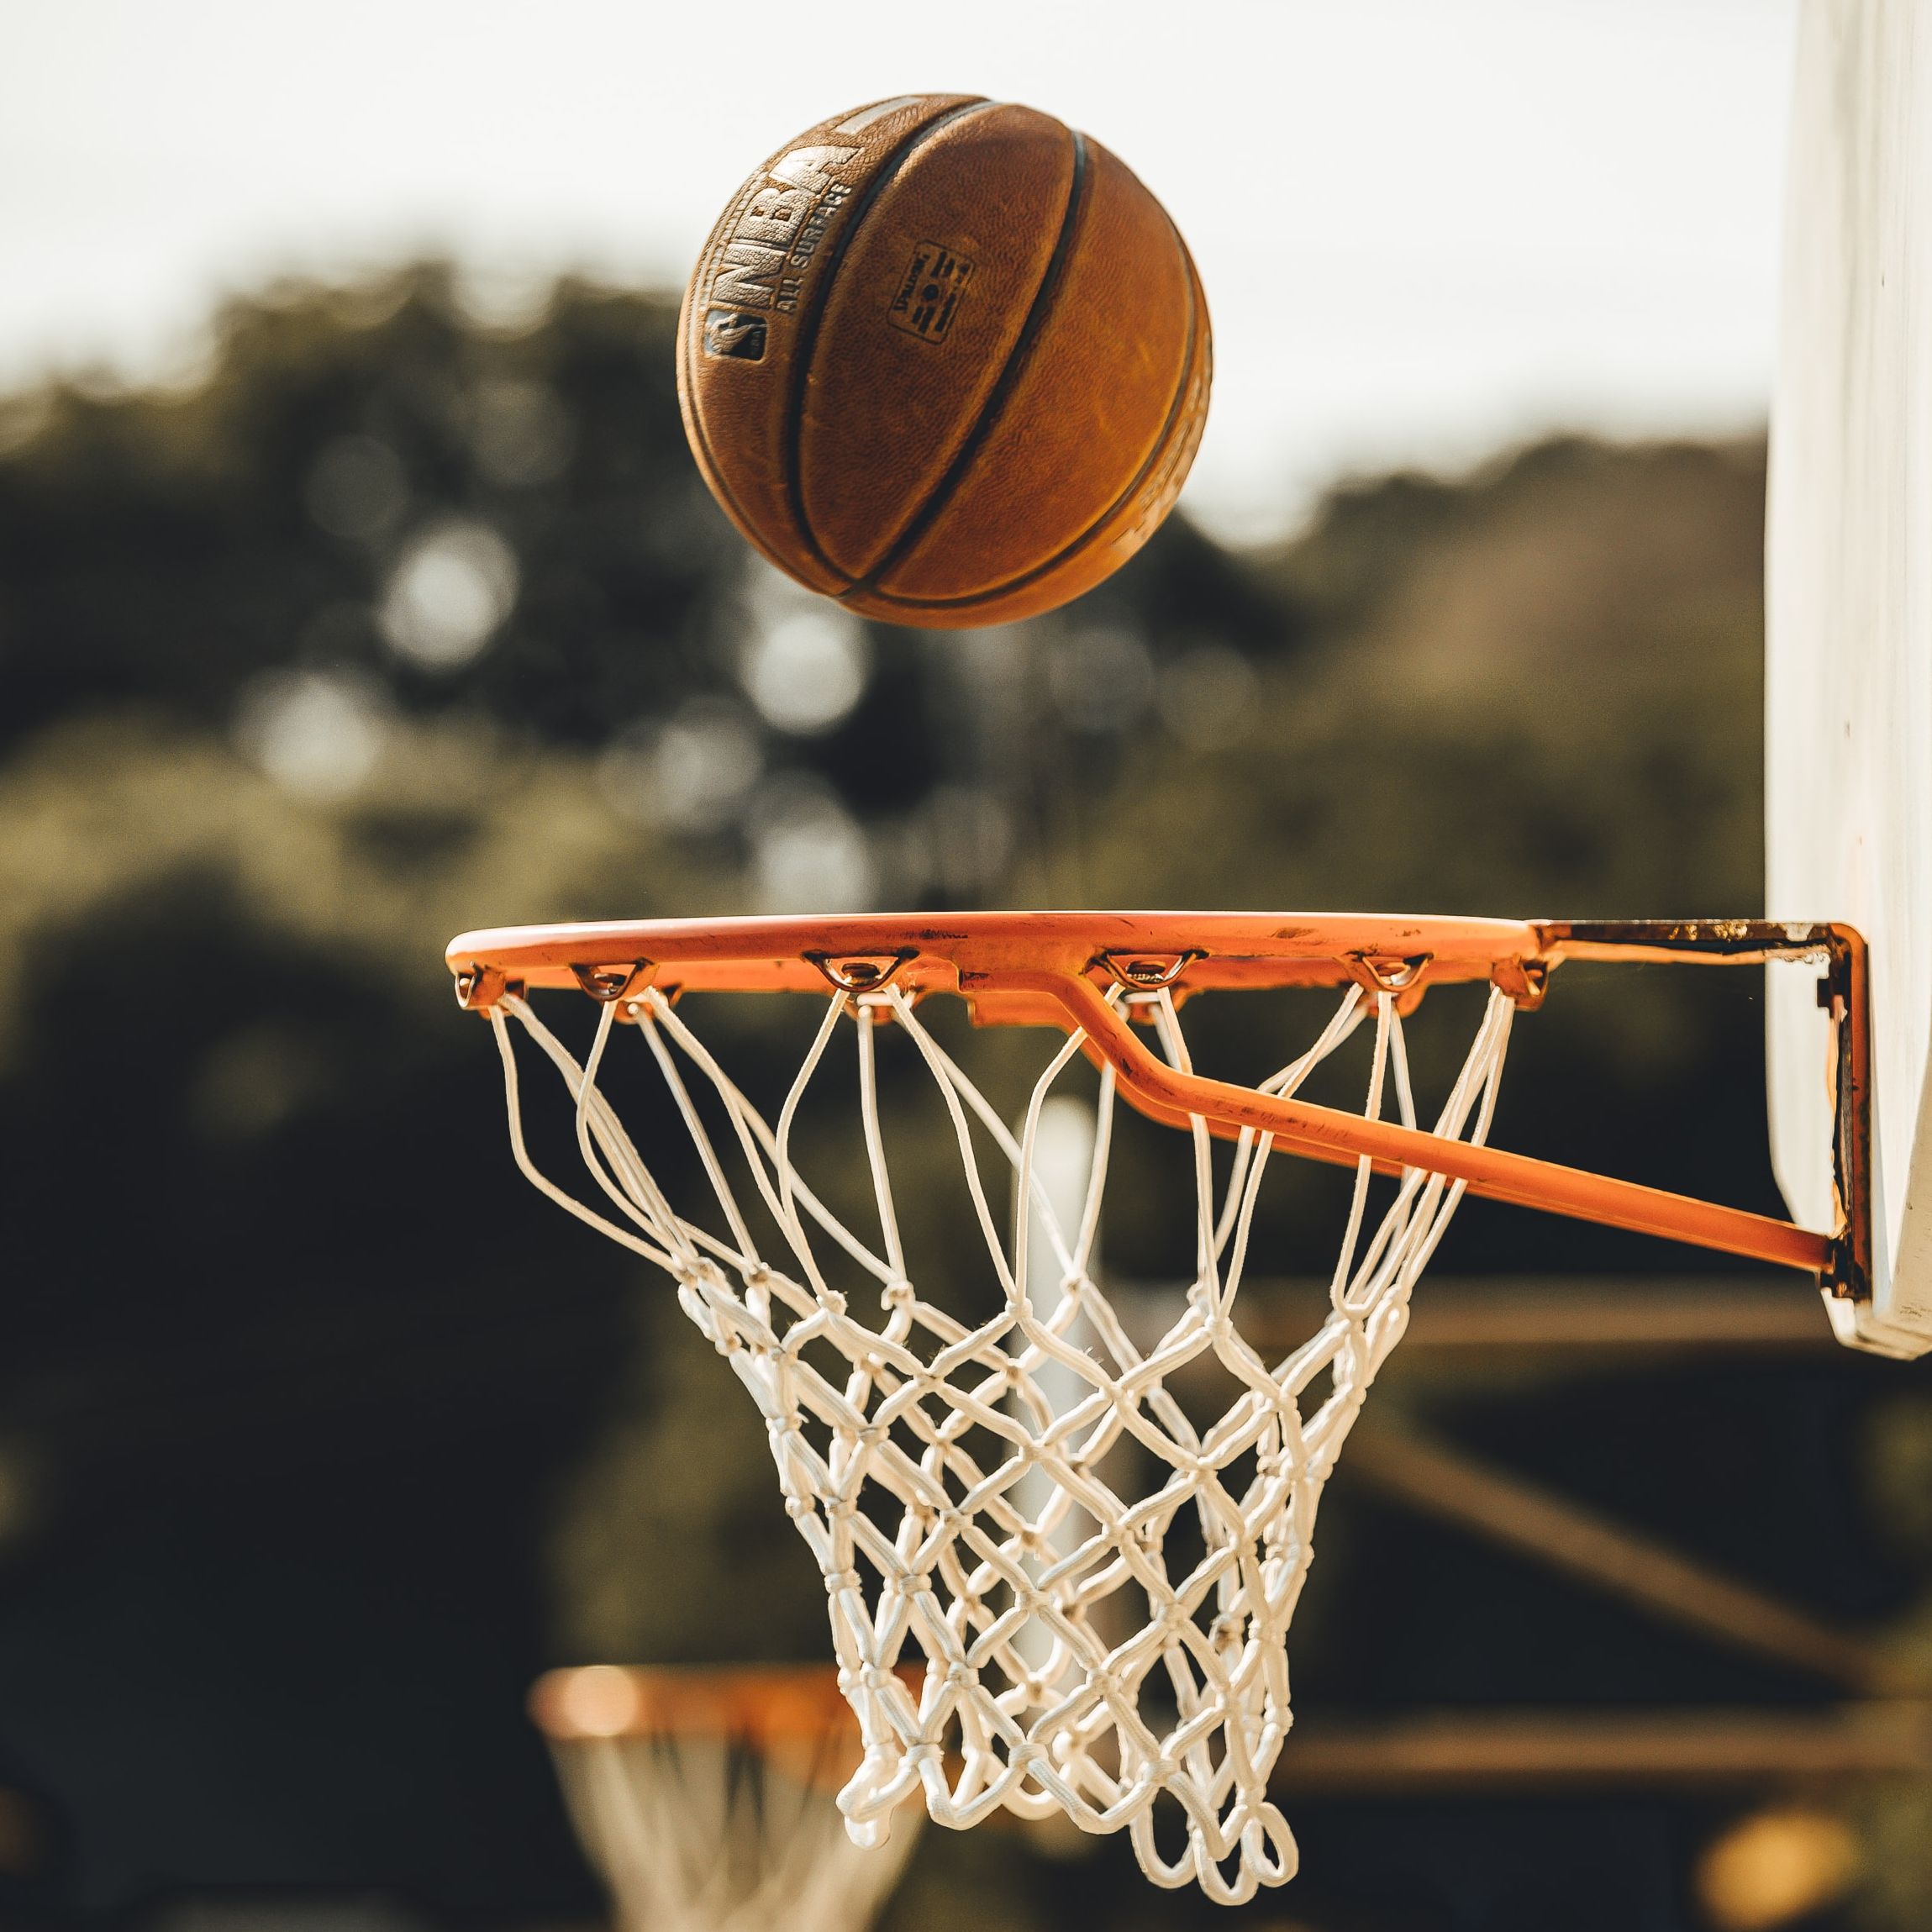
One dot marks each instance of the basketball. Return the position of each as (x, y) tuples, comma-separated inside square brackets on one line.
[(945, 359)]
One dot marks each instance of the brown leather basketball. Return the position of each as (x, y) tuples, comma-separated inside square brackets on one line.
[(945, 359)]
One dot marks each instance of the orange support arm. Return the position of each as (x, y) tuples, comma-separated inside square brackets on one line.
[(1328, 1133)]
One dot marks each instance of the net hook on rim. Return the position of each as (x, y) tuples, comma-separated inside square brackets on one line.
[(1381, 973), (861, 973), (1525, 981), (1146, 973), (606, 983), (479, 988)]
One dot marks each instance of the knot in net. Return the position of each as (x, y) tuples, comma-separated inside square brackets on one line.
[(993, 1473)]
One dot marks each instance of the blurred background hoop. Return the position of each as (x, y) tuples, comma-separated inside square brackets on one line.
[(705, 1797)]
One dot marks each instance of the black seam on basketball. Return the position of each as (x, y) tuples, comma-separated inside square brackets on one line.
[(922, 518), (1094, 529), (807, 345)]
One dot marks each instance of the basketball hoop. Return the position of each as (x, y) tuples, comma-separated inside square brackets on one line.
[(951, 1475), (705, 1797)]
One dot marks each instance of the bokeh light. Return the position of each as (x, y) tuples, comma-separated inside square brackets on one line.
[(318, 734), (808, 854), (451, 589), (691, 773), (1775, 1867)]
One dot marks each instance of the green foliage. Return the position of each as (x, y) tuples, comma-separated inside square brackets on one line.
[(671, 1543), (1539, 695), (168, 549), (261, 1214)]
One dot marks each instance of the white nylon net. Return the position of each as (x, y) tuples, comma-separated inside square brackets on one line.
[(1004, 1499)]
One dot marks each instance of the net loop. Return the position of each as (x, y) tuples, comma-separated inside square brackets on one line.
[(1098, 1590)]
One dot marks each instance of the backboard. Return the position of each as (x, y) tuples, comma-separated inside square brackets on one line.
[(1848, 762)]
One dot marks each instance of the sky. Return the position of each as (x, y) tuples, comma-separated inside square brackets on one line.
[(1429, 230)]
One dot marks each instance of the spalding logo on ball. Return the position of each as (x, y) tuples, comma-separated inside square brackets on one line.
[(945, 359)]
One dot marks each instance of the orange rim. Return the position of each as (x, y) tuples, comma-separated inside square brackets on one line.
[(758, 1702), (1051, 968)]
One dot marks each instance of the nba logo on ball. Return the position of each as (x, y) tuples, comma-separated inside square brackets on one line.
[(728, 332)]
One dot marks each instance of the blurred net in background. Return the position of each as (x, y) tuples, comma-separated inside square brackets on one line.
[(704, 1798)]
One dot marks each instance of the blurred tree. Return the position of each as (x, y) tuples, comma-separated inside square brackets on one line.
[(375, 502), (324, 1434), (277, 1426), (169, 548)]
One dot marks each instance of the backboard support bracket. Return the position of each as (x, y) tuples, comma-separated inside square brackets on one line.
[(1845, 993)]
